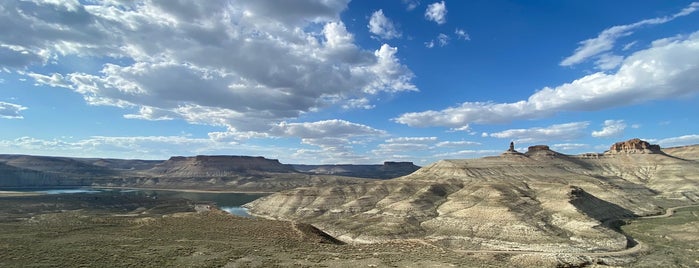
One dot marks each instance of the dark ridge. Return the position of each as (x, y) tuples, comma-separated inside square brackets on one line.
[(388, 170)]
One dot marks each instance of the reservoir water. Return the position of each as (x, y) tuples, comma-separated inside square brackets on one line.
[(229, 202)]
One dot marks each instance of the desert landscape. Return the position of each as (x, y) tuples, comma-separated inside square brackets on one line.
[(634, 205), (349, 133)]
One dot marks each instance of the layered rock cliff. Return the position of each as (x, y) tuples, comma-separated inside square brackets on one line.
[(538, 201), (217, 166), (633, 146)]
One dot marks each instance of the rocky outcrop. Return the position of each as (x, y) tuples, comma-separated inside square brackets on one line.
[(511, 151), (633, 146)]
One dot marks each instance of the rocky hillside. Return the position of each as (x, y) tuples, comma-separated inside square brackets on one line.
[(684, 152), (388, 170), (634, 146), (540, 200)]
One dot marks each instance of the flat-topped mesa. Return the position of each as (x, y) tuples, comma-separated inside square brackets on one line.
[(399, 165), (219, 165), (634, 146), (541, 150)]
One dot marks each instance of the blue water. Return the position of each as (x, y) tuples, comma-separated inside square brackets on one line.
[(69, 191), (229, 202)]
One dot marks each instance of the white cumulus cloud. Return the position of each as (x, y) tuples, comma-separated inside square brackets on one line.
[(11, 110), (461, 34), (457, 143), (667, 69), (562, 147), (679, 141), (606, 40), (558, 132), (411, 4), (437, 12), (244, 65), (401, 147), (612, 128), (442, 39), (382, 27)]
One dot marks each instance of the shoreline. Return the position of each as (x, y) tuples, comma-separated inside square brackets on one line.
[(35, 190), (183, 190)]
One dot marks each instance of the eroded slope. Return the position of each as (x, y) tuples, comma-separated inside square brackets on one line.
[(540, 201)]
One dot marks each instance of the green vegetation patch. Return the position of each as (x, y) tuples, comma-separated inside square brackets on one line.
[(674, 241)]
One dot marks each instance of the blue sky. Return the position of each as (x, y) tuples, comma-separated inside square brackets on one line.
[(337, 81)]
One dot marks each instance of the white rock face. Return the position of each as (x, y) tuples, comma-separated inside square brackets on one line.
[(539, 201)]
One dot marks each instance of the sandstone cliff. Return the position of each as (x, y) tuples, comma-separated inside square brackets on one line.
[(634, 146)]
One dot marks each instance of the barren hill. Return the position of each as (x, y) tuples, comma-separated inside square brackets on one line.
[(684, 152), (540, 200)]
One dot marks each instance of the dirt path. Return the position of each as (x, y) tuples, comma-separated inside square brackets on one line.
[(639, 247), (668, 212)]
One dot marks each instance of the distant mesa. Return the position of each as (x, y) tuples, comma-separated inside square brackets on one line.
[(218, 165), (634, 146), (541, 150)]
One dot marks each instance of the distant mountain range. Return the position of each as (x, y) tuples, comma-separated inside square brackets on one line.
[(234, 173)]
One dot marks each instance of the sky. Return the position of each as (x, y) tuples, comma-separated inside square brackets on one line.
[(339, 81)]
